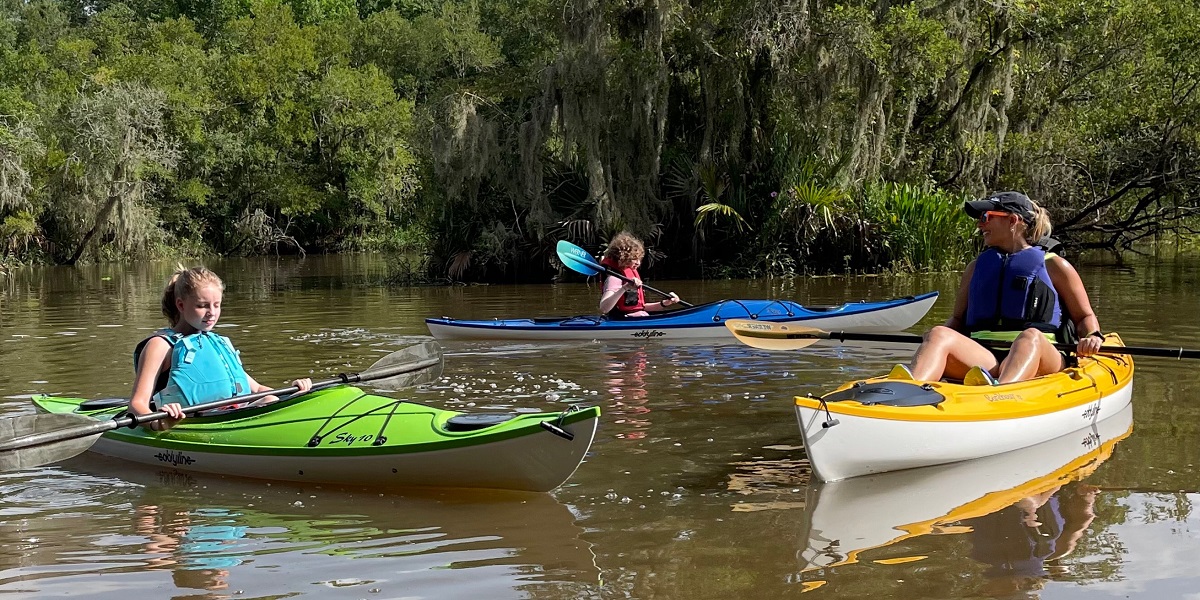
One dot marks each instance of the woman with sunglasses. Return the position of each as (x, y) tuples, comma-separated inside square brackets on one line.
[(1013, 291)]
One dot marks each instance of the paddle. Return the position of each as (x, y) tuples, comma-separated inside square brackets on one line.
[(577, 259), (776, 336), (35, 440)]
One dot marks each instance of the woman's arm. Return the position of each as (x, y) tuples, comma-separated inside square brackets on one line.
[(1070, 289), (958, 318), (255, 386)]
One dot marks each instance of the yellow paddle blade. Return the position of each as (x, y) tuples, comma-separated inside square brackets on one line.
[(774, 336)]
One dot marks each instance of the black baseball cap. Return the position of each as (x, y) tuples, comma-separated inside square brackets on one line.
[(1013, 202)]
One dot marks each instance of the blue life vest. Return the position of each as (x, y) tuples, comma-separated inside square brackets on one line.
[(1012, 292), (204, 368)]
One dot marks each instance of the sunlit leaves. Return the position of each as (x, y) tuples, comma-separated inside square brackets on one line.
[(718, 211), (116, 148)]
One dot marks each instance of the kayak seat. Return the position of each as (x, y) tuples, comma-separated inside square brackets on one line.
[(889, 393), (101, 403), (473, 421)]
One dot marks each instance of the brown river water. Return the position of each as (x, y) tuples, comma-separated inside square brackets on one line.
[(696, 486)]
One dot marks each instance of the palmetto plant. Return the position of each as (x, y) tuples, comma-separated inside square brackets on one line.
[(716, 207), (917, 227)]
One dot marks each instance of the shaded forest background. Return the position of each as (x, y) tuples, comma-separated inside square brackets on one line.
[(739, 137)]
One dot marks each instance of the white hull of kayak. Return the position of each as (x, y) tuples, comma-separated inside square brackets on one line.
[(537, 462), (860, 445), (882, 320)]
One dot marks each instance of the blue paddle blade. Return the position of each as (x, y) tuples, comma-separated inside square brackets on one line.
[(577, 259)]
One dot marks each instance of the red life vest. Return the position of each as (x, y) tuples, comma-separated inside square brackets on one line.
[(629, 301)]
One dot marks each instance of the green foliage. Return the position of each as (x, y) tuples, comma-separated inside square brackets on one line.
[(311, 12), (115, 149), (809, 221), (749, 138), (713, 188), (917, 228), (22, 236)]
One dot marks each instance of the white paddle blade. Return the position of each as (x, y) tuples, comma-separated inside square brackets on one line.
[(774, 336), (47, 453), (417, 353)]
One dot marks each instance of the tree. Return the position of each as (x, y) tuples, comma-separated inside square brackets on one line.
[(112, 138)]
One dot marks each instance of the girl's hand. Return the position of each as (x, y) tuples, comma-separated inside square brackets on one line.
[(673, 299), (175, 415), (175, 410), (304, 385)]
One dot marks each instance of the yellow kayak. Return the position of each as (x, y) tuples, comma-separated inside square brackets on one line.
[(888, 424)]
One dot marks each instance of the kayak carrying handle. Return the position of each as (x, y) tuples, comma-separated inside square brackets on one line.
[(829, 420), (557, 428)]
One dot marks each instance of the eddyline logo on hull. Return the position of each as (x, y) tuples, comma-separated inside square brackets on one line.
[(649, 333), (174, 458)]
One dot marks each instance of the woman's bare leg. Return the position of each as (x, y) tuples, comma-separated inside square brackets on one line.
[(948, 353), (1031, 355)]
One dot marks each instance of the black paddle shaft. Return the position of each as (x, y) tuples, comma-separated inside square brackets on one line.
[(99, 427), (842, 336)]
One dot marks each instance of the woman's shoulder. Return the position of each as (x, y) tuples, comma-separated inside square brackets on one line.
[(1061, 269), (1057, 262)]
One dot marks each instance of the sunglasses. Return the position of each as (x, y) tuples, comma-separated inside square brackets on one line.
[(991, 214)]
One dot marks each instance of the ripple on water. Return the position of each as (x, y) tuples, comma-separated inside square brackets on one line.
[(52, 493), (675, 491)]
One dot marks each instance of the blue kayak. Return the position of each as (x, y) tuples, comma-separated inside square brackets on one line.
[(697, 322)]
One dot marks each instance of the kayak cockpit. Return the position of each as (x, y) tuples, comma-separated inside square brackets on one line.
[(474, 421)]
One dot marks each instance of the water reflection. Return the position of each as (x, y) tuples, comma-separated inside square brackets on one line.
[(707, 504), (212, 537), (198, 555), (1018, 511), (626, 385), (1019, 543)]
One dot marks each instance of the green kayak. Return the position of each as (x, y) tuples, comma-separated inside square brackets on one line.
[(342, 435)]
